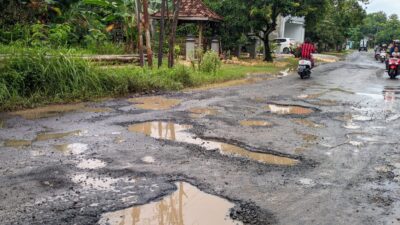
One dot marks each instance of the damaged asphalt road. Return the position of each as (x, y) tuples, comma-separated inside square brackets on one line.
[(282, 151)]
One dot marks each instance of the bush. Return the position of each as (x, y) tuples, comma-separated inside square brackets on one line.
[(210, 62)]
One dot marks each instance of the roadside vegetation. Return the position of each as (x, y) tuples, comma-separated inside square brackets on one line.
[(34, 77)]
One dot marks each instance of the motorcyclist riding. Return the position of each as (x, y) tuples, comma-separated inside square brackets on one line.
[(307, 48)]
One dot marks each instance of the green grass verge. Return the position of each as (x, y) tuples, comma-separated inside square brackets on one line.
[(31, 77)]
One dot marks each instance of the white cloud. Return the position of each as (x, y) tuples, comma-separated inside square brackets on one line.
[(388, 6)]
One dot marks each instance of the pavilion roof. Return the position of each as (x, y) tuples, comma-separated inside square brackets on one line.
[(194, 10)]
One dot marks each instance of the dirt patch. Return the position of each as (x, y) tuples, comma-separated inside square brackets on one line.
[(288, 110), (187, 205), (179, 133), (155, 103), (255, 123)]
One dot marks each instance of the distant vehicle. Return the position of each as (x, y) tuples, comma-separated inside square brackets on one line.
[(363, 45), (304, 68), (285, 45), (393, 67)]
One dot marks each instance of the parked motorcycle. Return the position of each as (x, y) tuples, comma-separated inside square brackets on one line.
[(393, 69), (383, 56), (304, 69)]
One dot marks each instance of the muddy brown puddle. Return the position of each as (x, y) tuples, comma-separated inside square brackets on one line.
[(202, 112), (179, 133), (56, 110), (17, 143), (288, 110), (50, 136), (155, 103), (255, 123), (186, 206)]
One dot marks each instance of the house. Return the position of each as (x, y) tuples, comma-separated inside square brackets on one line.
[(290, 27)]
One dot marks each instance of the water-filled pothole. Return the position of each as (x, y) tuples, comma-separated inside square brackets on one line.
[(155, 103), (13, 143), (72, 149), (179, 133), (288, 110), (307, 123), (255, 123), (186, 206), (50, 136), (56, 110), (202, 112)]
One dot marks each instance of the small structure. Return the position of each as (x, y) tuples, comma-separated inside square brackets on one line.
[(195, 11), (290, 27)]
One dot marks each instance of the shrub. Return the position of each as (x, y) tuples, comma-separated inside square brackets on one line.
[(60, 34), (210, 62)]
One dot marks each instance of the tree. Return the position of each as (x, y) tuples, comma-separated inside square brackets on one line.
[(172, 36), (147, 33), (162, 33)]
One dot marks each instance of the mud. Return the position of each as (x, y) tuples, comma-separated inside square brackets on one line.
[(179, 133), (155, 103), (187, 205)]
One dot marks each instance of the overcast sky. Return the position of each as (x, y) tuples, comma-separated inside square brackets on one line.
[(388, 6)]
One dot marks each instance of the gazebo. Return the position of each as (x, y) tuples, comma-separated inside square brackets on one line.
[(195, 11)]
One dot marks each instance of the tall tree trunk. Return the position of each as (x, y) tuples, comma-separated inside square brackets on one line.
[(171, 52), (140, 32), (267, 49), (149, 51), (162, 33)]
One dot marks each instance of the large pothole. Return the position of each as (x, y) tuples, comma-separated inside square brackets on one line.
[(179, 133)]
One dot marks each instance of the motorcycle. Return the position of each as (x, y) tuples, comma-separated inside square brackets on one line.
[(383, 56), (393, 70), (377, 55), (304, 69)]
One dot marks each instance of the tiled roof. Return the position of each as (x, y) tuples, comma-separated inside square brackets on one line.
[(194, 10)]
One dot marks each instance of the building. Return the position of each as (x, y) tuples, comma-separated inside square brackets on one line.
[(290, 27)]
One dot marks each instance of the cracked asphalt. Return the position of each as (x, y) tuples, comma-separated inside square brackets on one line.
[(72, 167)]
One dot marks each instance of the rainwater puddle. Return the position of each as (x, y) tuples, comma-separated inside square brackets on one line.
[(311, 96), (255, 123), (371, 95), (202, 112), (186, 206), (326, 102), (177, 132), (91, 164), (288, 110), (351, 126), (361, 118), (56, 110), (72, 149), (155, 103), (17, 143), (307, 123), (50, 136)]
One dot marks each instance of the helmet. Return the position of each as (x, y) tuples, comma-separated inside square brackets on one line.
[(384, 45), (397, 42)]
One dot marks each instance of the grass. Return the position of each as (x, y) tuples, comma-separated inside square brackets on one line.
[(30, 78)]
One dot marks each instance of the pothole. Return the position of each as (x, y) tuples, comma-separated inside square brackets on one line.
[(202, 112), (155, 103), (148, 159), (307, 123), (255, 123), (56, 110), (179, 133), (186, 206), (50, 136), (13, 143), (91, 164), (72, 149), (98, 183), (288, 110)]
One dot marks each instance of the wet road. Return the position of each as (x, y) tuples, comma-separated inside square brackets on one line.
[(282, 151)]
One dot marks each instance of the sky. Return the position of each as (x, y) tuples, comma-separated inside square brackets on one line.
[(388, 6)]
